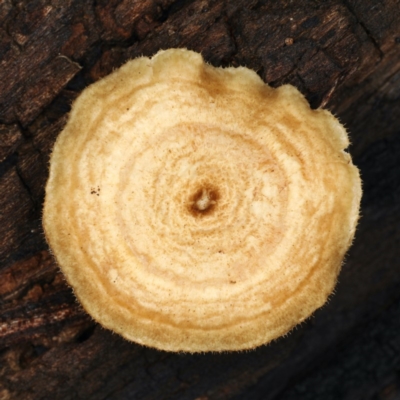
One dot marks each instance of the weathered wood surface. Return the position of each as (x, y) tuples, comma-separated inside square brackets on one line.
[(342, 54)]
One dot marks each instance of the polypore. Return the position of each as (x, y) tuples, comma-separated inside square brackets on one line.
[(196, 208)]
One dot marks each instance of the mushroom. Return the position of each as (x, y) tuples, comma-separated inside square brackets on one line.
[(194, 208)]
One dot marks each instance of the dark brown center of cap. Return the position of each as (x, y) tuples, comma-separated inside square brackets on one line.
[(203, 201)]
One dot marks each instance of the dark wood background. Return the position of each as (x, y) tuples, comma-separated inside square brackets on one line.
[(342, 54)]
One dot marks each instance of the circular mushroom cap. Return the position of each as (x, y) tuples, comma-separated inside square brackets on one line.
[(195, 208)]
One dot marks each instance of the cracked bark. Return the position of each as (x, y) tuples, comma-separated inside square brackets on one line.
[(343, 54)]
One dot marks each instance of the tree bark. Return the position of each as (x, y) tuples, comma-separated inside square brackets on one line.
[(342, 54)]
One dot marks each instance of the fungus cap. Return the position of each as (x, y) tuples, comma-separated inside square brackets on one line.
[(195, 208)]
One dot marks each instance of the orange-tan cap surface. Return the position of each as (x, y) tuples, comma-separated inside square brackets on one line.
[(194, 208)]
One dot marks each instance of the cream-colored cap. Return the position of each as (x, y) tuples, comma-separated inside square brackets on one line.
[(197, 209)]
